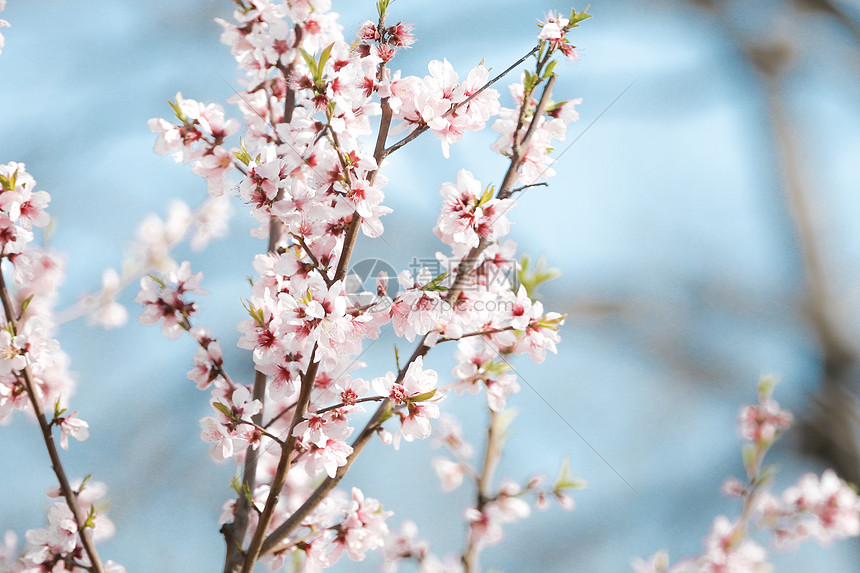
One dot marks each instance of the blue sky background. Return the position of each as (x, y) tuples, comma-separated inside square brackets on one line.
[(681, 269)]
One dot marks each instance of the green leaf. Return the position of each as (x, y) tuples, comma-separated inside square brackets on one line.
[(57, 410), (247, 492), (309, 60), (224, 410), (324, 58), (10, 183), (243, 155), (766, 384), (488, 194), (424, 396), (91, 518), (549, 68), (236, 483), (157, 280), (386, 415), (397, 357), (435, 283), (555, 106), (312, 65), (255, 313), (180, 115), (382, 8), (532, 278), (575, 18), (26, 303), (86, 479), (531, 80), (766, 475)]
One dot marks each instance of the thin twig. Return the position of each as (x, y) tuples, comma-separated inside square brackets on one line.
[(491, 460)]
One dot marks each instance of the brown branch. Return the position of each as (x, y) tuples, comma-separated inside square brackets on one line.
[(273, 541), (355, 223), (26, 377), (284, 462), (234, 532), (505, 190), (491, 459)]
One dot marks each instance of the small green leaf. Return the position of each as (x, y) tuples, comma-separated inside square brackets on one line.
[(236, 483), (766, 384), (566, 480), (531, 80), (324, 58), (180, 115), (86, 479), (57, 410), (243, 155), (157, 280), (312, 65), (424, 396), (255, 313), (575, 19), (549, 68), (436, 282), (397, 357), (224, 410), (8, 184), (382, 8), (488, 194), (91, 518), (532, 278), (26, 303), (386, 415)]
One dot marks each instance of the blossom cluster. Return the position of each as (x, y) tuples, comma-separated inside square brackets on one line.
[(33, 373), (52, 548), (821, 509), (307, 102), (310, 105)]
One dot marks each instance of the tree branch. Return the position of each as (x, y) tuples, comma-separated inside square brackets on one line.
[(26, 377)]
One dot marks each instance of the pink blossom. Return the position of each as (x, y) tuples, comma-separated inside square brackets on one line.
[(824, 509), (161, 302), (12, 356), (554, 29), (73, 426), (326, 457), (363, 529), (404, 544), (106, 311), (415, 311), (417, 383), (450, 473), (59, 538), (762, 422)]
